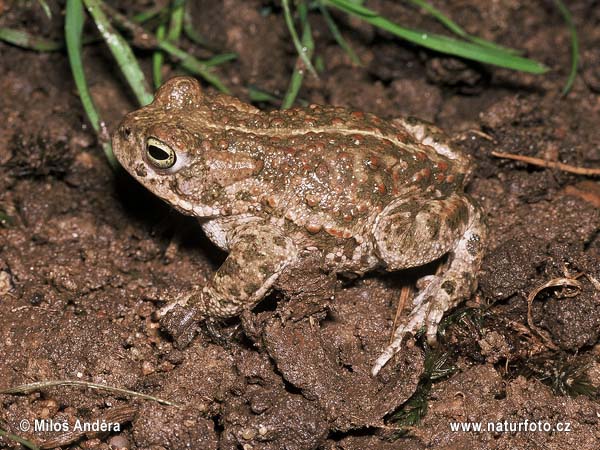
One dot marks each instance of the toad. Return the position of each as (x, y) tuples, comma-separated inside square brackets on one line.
[(270, 188)]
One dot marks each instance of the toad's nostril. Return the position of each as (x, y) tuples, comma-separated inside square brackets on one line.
[(126, 132)]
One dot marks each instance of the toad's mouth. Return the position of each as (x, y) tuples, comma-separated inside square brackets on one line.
[(185, 206), (163, 188), (194, 210)]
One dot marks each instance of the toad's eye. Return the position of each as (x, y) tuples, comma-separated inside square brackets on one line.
[(160, 154)]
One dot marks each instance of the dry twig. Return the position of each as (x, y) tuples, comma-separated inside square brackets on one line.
[(404, 295), (550, 164)]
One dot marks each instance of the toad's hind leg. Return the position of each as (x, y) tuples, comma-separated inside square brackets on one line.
[(411, 234)]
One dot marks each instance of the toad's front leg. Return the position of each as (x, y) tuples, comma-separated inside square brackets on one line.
[(412, 233), (258, 253)]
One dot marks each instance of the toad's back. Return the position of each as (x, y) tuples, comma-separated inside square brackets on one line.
[(318, 167), (317, 163)]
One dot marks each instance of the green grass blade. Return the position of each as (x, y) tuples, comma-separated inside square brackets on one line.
[(354, 8), (157, 10), (298, 75), (193, 65), (188, 62), (176, 4), (173, 34), (149, 14), (25, 40), (220, 59), (458, 30), (121, 51), (45, 8), (74, 20), (158, 57), (258, 95), (28, 41), (442, 44), (337, 35), (176, 26), (176, 22), (574, 45), (300, 48)]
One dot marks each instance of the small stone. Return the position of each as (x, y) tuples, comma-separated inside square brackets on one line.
[(248, 433), (148, 368), (5, 283), (119, 442), (92, 443)]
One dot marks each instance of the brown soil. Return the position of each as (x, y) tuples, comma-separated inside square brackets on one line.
[(87, 255)]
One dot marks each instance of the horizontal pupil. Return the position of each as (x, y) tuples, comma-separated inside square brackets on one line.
[(157, 153)]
